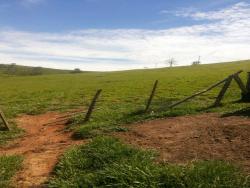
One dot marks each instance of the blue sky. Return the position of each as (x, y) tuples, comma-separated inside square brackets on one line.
[(122, 34), (65, 15)]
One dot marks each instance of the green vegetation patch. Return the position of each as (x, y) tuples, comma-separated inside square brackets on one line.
[(9, 165), (106, 162), (6, 135)]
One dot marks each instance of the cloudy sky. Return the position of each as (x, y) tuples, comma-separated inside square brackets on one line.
[(122, 34)]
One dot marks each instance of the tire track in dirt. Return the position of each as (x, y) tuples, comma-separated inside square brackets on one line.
[(41, 147)]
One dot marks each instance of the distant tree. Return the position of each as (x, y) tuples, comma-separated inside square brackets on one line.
[(36, 71), (197, 62), (171, 62), (76, 70)]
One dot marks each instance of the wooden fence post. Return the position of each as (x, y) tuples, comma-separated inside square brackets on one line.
[(5, 122), (151, 96), (248, 82), (92, 105), (246, 96), (203, 91), (241, 84), (223, 91), (197, 94)]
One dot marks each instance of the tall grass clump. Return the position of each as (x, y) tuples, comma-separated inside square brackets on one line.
[(106, 162), (9, 165)]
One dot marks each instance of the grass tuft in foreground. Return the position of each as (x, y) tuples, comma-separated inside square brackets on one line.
[(106, 162), (9, 165)]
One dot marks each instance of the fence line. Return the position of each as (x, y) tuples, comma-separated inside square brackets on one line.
[(227, 81), (205, 90)]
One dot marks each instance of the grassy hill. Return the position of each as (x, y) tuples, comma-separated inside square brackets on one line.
[(18, 70), (124, 92), (37, 94), (123, 98)]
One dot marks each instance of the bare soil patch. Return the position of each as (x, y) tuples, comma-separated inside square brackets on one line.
[(41, 147), (199, 137)]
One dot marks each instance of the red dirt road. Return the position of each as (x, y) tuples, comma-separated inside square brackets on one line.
[(41, 146), (187, 138)]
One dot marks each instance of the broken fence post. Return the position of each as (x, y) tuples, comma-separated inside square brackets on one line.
[(151, 96), (203, 91), (92, 105), (197, 94), (223, 91), (5, 122)]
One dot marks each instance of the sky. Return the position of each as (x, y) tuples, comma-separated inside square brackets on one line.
[(106, 35)]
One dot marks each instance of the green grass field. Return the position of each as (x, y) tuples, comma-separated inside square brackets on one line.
[(124, 93), (29, 94), (122, 100)]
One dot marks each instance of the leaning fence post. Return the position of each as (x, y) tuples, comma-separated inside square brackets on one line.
[(246, 96), (92, 105), (248, 82), (151, 96), (5, 122), (240, 83), (223, 91)]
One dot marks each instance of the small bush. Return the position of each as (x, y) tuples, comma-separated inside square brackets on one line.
[(76, 70)]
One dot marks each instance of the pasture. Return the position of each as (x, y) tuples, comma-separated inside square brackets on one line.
[(122, 101)]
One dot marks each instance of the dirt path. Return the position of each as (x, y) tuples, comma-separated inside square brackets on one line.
[(41, 146), (187, 138), (178, 140)]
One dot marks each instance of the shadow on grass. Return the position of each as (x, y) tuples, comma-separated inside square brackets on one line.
[(2, 127), (207, 108), (162, 104), (240, 101), (243, 112)]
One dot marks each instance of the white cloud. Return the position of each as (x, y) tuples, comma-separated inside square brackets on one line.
[(226, 38), (236, 12)]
